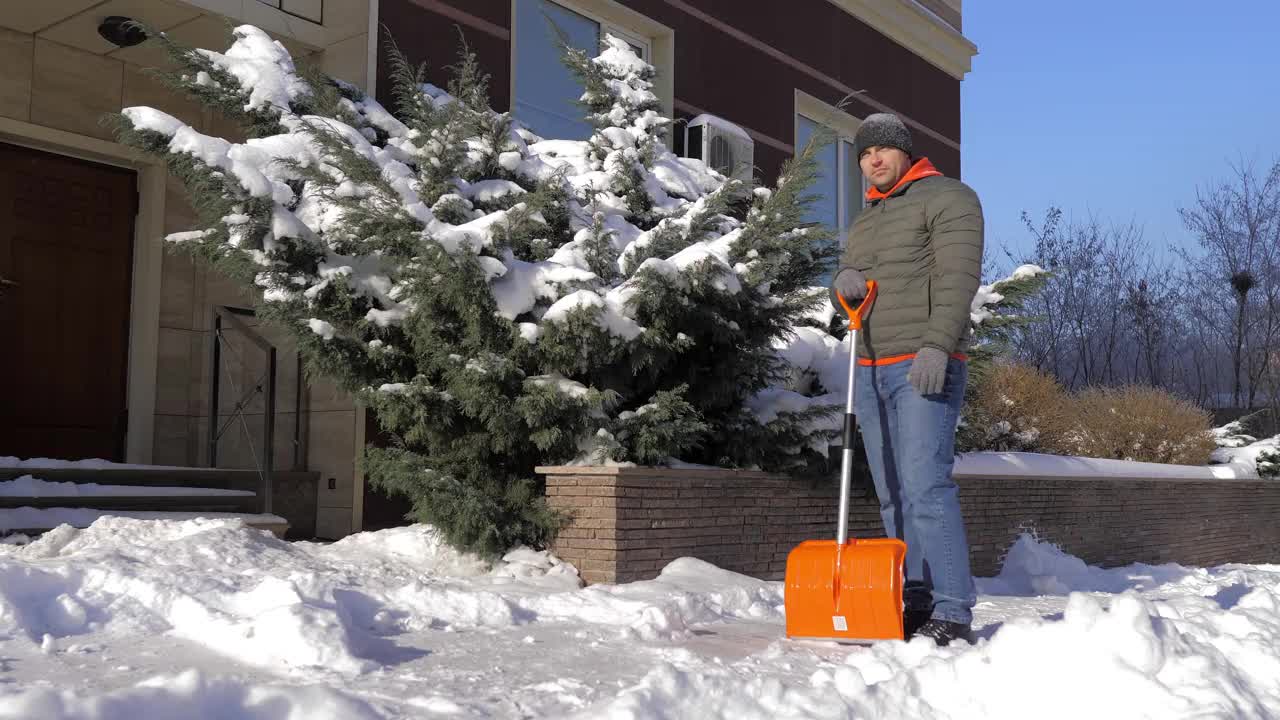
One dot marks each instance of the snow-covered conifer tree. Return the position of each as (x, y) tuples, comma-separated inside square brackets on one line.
[(500, 300)]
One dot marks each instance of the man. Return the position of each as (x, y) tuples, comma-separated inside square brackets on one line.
[(920, 239)]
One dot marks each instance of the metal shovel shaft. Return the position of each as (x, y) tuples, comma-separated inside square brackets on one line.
[(846, 450)]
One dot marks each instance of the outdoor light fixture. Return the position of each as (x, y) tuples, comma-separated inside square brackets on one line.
[(121, 31)]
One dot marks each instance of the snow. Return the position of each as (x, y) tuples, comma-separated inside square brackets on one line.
[(618, 54), (474, 235), (205, 618), (572, 388), (322, 328), (1238, 449), (262, 65), (721, 124), (715, 253), (518, 290), (988, 294), (486, 191), (29, 486), (1019, 464), (610, 314)]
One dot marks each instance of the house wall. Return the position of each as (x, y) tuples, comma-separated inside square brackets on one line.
[(58, 80), (741, 61)]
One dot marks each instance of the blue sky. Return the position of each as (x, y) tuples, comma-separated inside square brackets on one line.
[(1115, 108)]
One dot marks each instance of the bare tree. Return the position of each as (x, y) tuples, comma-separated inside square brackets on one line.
[(1237, 227), (1085, 336), (1039, 344), (1143, 306)]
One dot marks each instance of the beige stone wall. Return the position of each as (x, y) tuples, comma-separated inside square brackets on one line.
[(47, 82)]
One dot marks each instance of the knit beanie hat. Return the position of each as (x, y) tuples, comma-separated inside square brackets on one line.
[(883, 129)]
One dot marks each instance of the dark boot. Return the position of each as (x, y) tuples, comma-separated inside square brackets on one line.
[(944, 632), (912, 620)]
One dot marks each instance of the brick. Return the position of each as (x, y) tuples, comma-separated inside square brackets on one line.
[(599, 491), (751, 522), (599, 554), (597, 565), (596, 523), (593, 543)]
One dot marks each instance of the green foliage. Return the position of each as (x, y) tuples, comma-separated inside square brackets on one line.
[(410, 254)]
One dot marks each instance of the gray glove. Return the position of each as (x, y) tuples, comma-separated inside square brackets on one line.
[(851, 284), (928, 371)]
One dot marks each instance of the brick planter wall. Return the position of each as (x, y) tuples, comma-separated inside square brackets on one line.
[(628, 523)]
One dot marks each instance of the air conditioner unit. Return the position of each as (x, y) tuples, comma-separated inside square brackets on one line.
[(723, 146)]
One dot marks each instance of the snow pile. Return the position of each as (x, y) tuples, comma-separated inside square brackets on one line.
[(1262, 455), (1033, 568), (132, 619), (300, 606), (1236, 447), (248, 595), (1027, 464), (1232, 435), (188, 695), (687, 592), (1169, 642)]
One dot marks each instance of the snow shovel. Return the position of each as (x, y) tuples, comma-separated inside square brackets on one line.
[(848, 589)]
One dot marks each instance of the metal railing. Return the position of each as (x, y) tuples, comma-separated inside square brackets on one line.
[(265, 385)]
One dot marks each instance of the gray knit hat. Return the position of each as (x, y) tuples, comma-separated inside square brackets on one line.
[(885, 129)]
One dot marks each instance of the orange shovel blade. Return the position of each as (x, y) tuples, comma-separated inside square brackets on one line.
[(861, 601)]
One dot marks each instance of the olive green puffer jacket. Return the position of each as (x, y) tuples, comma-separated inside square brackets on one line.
[(923, 245)]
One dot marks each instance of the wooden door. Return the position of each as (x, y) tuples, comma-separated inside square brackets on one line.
[(66, 245), (381, 511)]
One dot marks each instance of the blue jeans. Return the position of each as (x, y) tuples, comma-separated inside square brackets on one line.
[(910, 444)]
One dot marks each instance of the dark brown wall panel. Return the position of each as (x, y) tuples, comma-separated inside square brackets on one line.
[(720, 73), (724, 75), (824, 37), (497, 12), (426, 35)]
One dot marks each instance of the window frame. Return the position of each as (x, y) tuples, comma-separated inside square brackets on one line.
[(846, 128), (645, 44), (656, 40)]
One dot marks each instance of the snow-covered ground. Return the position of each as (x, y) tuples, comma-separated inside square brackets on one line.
[(133, 619)]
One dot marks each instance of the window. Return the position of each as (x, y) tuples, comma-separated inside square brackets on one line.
[(839, 188), (546, 92), (839, 185)]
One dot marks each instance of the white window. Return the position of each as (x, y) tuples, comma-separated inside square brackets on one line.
[(839, 187), (546, 92)]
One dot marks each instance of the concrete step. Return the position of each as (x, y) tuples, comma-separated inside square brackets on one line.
[(158, 476), (294, 497), (36, 521), (239, 503)]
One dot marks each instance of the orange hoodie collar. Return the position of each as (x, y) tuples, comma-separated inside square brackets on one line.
[(922, 169)]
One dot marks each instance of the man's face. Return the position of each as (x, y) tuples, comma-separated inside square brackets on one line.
[(884, 166)]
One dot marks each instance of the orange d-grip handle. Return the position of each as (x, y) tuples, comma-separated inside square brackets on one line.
[(855, 315)]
